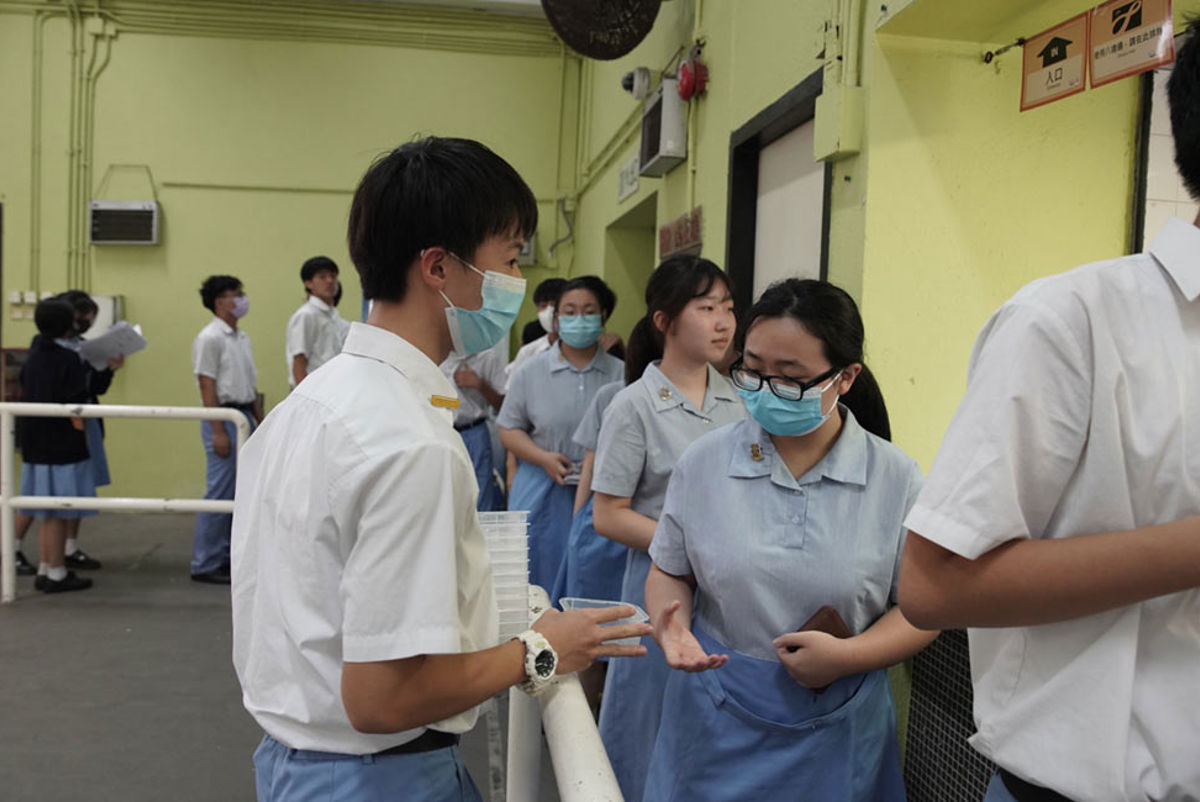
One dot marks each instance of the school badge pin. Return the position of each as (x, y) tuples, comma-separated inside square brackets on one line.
[(756, 452), (664, 393)]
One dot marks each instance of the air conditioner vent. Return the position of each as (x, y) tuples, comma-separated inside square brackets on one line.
[(123, 222)]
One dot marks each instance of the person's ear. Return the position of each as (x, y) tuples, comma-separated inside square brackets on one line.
[(846, 380), (660, 322), (430, 267)]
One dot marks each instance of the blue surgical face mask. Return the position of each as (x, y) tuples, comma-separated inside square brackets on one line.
[(580, 331), (475, 330), (785, 418)]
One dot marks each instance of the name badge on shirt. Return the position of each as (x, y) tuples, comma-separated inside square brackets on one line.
[(443, 402)]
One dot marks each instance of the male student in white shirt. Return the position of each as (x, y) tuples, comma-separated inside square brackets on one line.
[(1060, 520), (364, 618), (315, 331)]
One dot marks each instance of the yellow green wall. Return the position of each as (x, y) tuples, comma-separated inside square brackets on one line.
[(210, 114)]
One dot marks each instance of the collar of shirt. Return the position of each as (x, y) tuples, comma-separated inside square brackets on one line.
[(1175, 248), (224, 327), (559, 362), (846, 462), (383, 346), (665, 395), (319, 305)]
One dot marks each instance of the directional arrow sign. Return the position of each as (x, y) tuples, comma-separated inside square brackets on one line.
[(1054, 65)]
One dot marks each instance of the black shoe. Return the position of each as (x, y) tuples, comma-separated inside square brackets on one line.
[(24, 567), (217, 576), (81, 561), (39, 582), (68, 583)]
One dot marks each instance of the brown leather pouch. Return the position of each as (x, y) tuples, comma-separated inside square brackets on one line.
[(825, 620)]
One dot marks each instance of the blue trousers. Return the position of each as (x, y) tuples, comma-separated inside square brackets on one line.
[(299, 775), (478, 441), (210, 539), (997, 791)]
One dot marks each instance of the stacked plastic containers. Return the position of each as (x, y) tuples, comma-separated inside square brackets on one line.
[(507, 535)]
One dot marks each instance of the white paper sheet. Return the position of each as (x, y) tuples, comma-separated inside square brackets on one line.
[(121, 340)]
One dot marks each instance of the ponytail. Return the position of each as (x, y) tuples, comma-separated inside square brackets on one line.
[(645, 346), (865, 400)]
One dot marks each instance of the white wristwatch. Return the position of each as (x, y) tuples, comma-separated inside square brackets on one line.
[(541, 662)]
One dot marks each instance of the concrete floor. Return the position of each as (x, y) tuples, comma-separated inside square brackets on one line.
[(126, 691)]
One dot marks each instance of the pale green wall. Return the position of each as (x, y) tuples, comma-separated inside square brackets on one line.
[(221, 111)]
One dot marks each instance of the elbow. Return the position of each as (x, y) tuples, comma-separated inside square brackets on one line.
[(923, 610), (378, 721), (926, 593)]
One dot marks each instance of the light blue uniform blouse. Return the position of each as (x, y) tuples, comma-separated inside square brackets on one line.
[(768, 550), (587, 434), (548, 396), (647, 426)]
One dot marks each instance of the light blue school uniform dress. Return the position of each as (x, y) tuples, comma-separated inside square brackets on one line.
[(767, 551), (594, 566), (547, 398), (646, 428)]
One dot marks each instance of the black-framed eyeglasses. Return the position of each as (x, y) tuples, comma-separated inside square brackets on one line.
[(782, 386)]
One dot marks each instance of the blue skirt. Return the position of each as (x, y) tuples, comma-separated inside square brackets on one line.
[(594, 566), (747, 730), (98, 458), (632, 703), (550, 508), (72, 479)]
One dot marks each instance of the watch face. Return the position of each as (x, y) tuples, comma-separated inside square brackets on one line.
[(544, 663)]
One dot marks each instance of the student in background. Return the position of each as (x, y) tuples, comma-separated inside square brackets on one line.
[(793, 518), (315, 331), (85, 311), (477, 377), (545, 297), (55, 450), (673, 397), (1061, 519), (546, 400), (223, 364)]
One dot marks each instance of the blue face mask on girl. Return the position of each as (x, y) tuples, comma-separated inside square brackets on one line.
[(580, 331), (785, 418), (475, 330)]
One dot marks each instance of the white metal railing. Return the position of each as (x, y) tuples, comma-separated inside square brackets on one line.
[(9, 502), (581, 767)]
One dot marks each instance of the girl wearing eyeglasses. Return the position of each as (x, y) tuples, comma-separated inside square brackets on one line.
[(789, 521), (674, 397)]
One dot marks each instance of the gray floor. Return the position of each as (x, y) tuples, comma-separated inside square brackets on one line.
[(126, 691)]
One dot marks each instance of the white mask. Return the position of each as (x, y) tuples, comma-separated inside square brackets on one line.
[(546, 318)]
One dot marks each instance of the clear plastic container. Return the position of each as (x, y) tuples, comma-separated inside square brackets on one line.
[(506, 516), (639, 615)]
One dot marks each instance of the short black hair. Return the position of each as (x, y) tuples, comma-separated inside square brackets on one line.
[(315, 265), (53, 317), (437, 191), (596, 286), (533, 330), (549, 291), (1183, 95), (80, 302), (216, 286)]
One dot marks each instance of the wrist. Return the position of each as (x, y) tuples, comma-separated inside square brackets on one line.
[(541, 662)]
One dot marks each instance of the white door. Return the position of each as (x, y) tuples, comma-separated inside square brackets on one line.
[(791, 201)]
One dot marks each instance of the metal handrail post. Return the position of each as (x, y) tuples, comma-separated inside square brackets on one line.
[(8, 525)]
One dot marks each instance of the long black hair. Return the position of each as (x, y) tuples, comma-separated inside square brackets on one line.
[(828, 313), (673, 284)]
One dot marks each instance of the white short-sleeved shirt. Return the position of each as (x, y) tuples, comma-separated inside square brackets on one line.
[(548, 396), (525, 353), (489, 364), (1079, 418), (768, 550), (223, 354), (355, 539), (315, 330), (645, 429)]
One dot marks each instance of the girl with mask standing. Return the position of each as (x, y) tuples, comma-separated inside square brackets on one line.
[(546, 400), (674, 397), (793, 519)]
